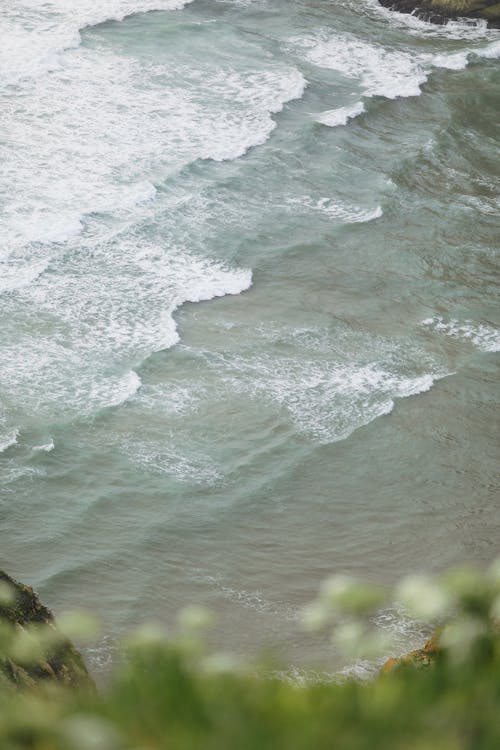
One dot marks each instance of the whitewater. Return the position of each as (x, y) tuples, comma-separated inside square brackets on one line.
[(248, 330)]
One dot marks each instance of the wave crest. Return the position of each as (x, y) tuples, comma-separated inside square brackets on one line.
[(25, 55)]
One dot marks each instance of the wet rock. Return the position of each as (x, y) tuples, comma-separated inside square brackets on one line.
[(441, 11), (421, 657)]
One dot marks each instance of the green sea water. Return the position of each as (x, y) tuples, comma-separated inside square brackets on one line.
[(248, 314)]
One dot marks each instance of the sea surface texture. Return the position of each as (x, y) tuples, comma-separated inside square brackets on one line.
[(320, 180)]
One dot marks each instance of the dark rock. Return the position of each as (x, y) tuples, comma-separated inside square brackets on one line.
[(442, 11), (61, 662)]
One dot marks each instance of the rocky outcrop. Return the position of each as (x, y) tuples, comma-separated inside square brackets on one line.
[(421, 657), (441, 11), (20, 612)]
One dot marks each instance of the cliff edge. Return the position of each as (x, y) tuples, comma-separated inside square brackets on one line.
[(20, 612)]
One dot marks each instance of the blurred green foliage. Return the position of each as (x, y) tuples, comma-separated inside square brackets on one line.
[(176, 696)]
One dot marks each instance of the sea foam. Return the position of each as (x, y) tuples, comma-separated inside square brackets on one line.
[(111, 319), (340, 116), (25, 54), (484, 337), (44, 447), (99, 135), (328, 386), (8, 439), (335, 209), (380, 71), (97, 140)]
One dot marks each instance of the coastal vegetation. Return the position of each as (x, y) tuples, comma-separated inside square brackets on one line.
[(172, 693)]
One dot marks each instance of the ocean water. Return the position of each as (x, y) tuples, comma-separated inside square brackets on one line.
[(248, 314)]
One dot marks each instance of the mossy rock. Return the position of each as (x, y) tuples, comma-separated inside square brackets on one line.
[(492, 13), (60, 662), (460, 7)]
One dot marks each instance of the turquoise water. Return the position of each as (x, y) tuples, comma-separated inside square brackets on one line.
[(247, 308)]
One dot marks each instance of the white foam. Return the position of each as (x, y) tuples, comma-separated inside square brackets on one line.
[(114, 392), (158, 457), (377, 70), (11, 471), (7, 440), (173, 399), (455, 61), (19, 272), (490, 52), (482, 336), (47, 228), (347, 214), (108, 309), (142, 192), (45, 448), (254, 600), (34, 35), (92, 141), (97, 135), (341, 116), (459, 29), (63, 389), (460, 60), (336, 387)]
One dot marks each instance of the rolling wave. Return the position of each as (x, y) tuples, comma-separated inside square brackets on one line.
[(34, 36), (378, 70), (326, 386), (340, 116), (8, 439)]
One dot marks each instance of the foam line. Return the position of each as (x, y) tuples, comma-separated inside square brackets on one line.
[(58, 24), (482, 336)]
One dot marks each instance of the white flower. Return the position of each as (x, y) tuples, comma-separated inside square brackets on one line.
[(335, 587), (222, 663), (423, 597), (314, 616), (344, 594), (83, 732), (195, 617), (147, 636), (459, 637), (78, 625)]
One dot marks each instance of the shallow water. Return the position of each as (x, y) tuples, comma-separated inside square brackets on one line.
[(321, 179)]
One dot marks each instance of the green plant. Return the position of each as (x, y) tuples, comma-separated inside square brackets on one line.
[(173, 694)]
